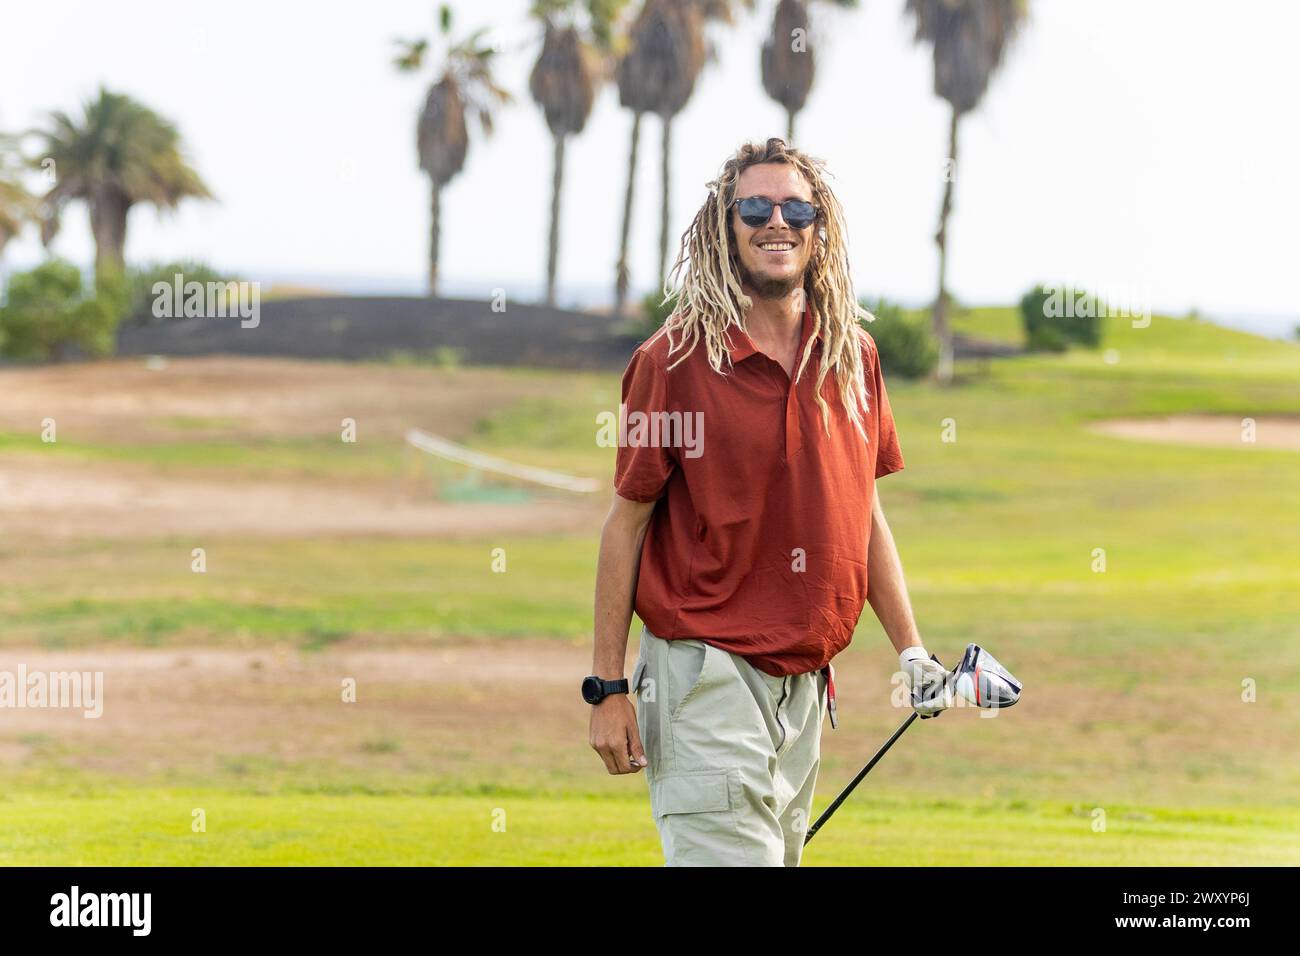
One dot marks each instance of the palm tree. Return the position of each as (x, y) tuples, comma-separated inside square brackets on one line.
[(969, 38), (563, 83), (787, 64), (17, 205), (665, 54), (118, 154), (465, 85)]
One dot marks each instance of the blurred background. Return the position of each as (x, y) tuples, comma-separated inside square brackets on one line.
[(307, 316)]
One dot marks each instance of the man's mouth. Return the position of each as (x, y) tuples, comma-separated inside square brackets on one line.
[(776, 246)]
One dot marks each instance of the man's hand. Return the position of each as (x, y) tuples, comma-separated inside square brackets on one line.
[(614, 735), (932, 691)]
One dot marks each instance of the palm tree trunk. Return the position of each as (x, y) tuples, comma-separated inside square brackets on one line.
[(434, 230), (621, 271), (553, 254), (665, 204), (942, 330), (108, 214)]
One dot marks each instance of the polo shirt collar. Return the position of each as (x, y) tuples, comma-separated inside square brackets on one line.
[(742, 346)]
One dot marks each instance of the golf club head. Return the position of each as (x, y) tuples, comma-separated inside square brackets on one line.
[(982, 681)]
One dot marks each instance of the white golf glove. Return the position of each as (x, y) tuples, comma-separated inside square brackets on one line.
[(932, 691)]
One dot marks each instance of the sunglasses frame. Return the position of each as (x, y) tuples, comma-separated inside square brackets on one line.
[(772, 206)]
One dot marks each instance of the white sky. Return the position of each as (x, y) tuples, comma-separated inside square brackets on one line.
[(1144, 148)]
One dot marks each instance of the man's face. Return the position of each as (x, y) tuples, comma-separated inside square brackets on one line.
[(773, 257)]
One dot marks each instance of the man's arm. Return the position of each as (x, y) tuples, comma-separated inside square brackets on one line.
[(886, 589), (887, 593), (614, 732)]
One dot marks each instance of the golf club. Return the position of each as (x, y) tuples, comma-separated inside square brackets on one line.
[(978, 679)]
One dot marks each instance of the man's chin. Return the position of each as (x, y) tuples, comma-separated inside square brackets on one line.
[(770, 287)]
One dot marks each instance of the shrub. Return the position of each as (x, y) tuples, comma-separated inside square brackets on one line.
[(657, 310), (1055, 316), (1046, 337), (49, 309), (141, 280), (906, 344)]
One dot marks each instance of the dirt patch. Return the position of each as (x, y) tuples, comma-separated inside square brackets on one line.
[(508, 712), (130, 404), (418, 710), (42, 499), (1219, 431), (125, 401)]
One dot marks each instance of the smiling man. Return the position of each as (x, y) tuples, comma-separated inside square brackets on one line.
[(748, 564)]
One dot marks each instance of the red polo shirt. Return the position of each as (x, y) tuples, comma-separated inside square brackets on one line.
[(758, 543)]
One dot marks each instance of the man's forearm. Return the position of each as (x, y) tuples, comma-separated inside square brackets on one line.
[(886, 589), (617, 570)]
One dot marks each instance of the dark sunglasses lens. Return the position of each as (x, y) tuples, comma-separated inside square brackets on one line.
[(798, 214), (755, 212)]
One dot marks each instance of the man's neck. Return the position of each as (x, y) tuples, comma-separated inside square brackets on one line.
[(776, 322), (775, 326)]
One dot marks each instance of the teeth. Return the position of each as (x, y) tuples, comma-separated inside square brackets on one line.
[(776, 246)]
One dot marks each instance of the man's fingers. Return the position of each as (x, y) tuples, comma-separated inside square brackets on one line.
[(607, 756), (635, 749), (614, 736)]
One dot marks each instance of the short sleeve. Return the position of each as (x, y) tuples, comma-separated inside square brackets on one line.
[(889, 456), (642, 469)]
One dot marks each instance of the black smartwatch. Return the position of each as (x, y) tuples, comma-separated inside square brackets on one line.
[(594, 690)]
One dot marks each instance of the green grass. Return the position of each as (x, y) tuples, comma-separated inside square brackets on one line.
[(156, 828), (997, 531), (259, 458), (291, 590)]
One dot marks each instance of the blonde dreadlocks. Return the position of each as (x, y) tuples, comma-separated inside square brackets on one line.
[(707, 282)]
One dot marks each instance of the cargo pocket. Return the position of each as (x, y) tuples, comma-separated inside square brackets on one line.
[(691, 792), (696, 813)]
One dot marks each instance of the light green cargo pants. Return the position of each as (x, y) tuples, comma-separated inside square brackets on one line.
[(733, 753)]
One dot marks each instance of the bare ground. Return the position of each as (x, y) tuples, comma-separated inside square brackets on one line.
[(509, 711), (1223, 431), (61, 500), (123, 402)]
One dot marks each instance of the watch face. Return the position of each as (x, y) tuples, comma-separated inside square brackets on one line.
[(592, 690)]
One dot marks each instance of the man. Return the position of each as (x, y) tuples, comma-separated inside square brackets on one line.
[(746, 551)]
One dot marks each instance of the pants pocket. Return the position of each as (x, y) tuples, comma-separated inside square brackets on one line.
[(701, 791), (688, 671), (638, 677), (697, 816)]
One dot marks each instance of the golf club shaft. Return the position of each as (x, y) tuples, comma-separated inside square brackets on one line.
[(858, 779)]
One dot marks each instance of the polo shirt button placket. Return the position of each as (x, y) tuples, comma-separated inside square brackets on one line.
[(793, 438)]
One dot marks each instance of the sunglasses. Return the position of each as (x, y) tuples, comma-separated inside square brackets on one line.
[(756, 211)]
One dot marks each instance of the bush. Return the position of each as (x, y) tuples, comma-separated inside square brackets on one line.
[(657, 310), (49, 309), (1046, 337), (907, 346), (1055, 316), (141, 279)]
